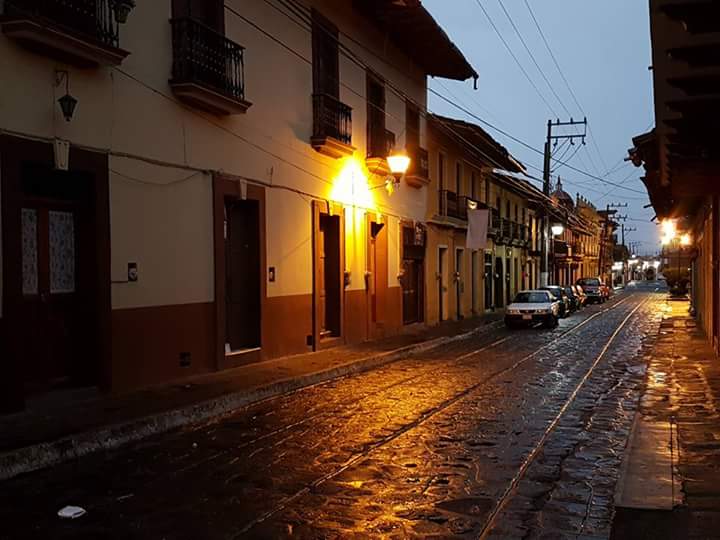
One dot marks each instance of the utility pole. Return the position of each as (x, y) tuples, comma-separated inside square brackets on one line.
[(628, 230), (545, 239)]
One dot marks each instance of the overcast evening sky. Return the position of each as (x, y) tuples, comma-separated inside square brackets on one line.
[(603, 49)]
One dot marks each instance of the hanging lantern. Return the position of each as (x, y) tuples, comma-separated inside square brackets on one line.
[(68, 104), (121, 9)]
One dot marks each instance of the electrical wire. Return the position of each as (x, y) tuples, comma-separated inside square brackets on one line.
[(532, 57), (507, 46), (564, 78), (523, 143)]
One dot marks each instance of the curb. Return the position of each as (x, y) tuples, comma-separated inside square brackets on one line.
[(42, 455)]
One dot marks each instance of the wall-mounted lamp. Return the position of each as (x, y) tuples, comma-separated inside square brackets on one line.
[(121, 9), (399, 163), (557, 229), (67, 102)]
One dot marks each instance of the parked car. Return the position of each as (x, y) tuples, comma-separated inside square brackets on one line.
[(559, 293), (573, 297), (533, 306), (593, 289), (580, 294)]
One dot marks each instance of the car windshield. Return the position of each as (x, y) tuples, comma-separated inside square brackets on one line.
[(555, 291), (531, 298), (592, 282)]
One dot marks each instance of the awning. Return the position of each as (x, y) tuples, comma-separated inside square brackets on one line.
[(413, 30)]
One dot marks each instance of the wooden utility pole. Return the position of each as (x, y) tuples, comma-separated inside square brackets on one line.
[(545, 239)]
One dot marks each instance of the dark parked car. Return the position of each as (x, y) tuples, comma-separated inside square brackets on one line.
[(593, 288), (575, 301), (559, 293)]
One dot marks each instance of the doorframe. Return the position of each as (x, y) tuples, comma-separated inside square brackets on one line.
[(329, 209), (374, 328), (13, 152), (421, 283), (226, 187)]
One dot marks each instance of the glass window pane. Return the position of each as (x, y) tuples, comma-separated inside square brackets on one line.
[(29, 251), (62, 252)]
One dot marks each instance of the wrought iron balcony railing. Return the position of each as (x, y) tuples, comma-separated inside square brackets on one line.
[(92, 20), (380, 142), (331, 118), (207, 58)]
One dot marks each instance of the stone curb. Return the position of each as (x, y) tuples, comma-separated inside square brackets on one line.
[(74, 446)]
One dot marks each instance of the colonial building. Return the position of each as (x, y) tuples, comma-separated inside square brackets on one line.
[(200, 184), (577, 249), (681, 155), (470, 170)]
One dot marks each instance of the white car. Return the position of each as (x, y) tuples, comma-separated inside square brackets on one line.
[(531, 307)]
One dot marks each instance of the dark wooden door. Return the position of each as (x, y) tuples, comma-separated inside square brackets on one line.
[(242, 259), (412, 291), (378, 274), (499, 281), (488, 281), (330, 278), (51, 324)]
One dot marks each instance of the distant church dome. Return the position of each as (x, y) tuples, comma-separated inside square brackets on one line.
[(563, 197)]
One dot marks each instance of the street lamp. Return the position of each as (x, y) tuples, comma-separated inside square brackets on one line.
[(122, 9), (685, 240), (557, 229), (399, 163)]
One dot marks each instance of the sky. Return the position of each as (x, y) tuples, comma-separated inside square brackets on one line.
[(603, 50)]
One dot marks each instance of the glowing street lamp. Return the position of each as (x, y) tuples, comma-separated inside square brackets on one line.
[(557, 229), (399, 163), (685, 240)]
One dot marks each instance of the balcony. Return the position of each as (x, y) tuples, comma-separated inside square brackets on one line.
[(208, 70), (448, 204), (578, 252), (332, 127), (419, 173), (381, 143), (83, 33)]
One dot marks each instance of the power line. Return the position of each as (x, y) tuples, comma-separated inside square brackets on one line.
[(526, 145), (532, 57), (532, 83), (564, 78)]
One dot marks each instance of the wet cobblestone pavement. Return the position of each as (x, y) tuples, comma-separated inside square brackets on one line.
[(424, 447)]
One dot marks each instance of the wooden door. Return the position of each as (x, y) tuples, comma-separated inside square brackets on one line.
[(51, 321), (412, 291), (242, 275), (488, 281), (459, 283), (499, 283), (377, 263), (330, 285)]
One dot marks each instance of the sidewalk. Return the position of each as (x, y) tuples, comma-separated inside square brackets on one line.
[(683, 392), (62, 427)]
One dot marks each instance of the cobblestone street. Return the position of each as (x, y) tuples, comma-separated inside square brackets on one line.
[(506, 434)]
